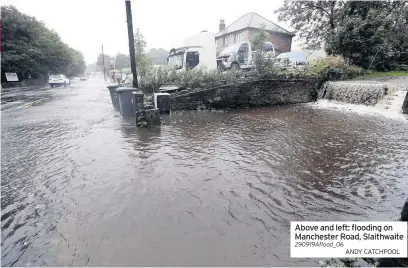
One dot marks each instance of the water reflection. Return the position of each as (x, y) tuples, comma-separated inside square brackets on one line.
[(82, 186)]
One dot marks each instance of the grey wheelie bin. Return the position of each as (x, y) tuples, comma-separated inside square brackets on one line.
[(114, 97), (126, 102)]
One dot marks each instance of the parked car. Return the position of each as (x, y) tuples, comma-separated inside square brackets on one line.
[(292, 59), (83, 78), (59, 80), (242, 56)]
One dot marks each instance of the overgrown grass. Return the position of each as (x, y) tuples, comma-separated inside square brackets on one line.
[(201, 78), (336, 65), (321, 70), (373, 75)]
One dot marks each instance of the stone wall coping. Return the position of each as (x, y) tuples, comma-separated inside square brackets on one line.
[(242, 83)]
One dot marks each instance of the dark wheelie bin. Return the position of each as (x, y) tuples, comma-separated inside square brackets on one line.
[(126, 102), (114, 96)]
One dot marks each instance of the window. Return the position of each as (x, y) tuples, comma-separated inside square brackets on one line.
[(243, 48), (237, 38), (176, 60), (224, 41), (192, 59), (268, 46), (285, 40)]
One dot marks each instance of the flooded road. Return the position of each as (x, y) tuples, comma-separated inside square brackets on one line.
[(83, 187)]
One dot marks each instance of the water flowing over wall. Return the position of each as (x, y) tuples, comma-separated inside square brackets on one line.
[(368, 93)]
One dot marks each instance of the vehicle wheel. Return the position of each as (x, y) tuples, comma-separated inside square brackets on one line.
[(52, 86), (235, 67), (65, 84)]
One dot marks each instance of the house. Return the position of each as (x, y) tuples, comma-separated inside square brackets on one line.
[(246, 27)]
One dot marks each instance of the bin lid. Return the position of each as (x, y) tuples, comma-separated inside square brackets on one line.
[(168, 88), (112, 86), (161, 94), (139, 93), (125, 89)]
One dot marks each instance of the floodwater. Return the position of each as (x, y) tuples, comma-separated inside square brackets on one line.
[(83, 187)]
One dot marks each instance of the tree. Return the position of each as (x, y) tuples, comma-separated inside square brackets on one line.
[(22, 51), (159, 55), (31, 49), (357, 30), (143, 61), (372, 32), (312, 20), (101, 60), (263, 62), (77, 64), (122, 61)]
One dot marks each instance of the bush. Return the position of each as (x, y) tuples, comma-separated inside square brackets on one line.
[(190, 79), (201, 78), (324, 66)]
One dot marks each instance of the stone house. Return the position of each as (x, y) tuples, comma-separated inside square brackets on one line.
[(244, 29)]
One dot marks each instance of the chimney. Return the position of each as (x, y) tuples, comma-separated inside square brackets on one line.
[(222, 25)]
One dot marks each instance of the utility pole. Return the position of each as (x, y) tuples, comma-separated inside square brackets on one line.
[(103, 62), (131, 42)]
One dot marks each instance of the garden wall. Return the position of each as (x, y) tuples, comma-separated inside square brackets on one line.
[(248, 94)]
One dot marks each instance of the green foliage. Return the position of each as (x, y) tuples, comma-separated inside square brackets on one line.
[(200, 78), (323, 67), (122, 61), (260, 37), (103, 60), (159, 55), (143, 61), (77, 63), (364, 32), (313, 20), (262, 60), (372, 33), (32, 49)]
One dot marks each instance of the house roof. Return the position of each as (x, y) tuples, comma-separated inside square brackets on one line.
[(252, 20)]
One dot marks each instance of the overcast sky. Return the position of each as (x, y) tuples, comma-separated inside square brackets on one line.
[(86, 24)]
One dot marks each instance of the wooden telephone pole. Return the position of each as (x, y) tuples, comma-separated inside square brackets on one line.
[(103, 63), (131, 42)]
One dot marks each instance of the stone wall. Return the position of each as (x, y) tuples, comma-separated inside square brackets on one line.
[(248, 94), (25, 83)]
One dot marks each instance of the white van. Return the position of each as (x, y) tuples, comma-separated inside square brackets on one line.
[(197, 51), (292, 59), (241, 56)]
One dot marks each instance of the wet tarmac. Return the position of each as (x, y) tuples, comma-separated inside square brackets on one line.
[(83, 187)]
